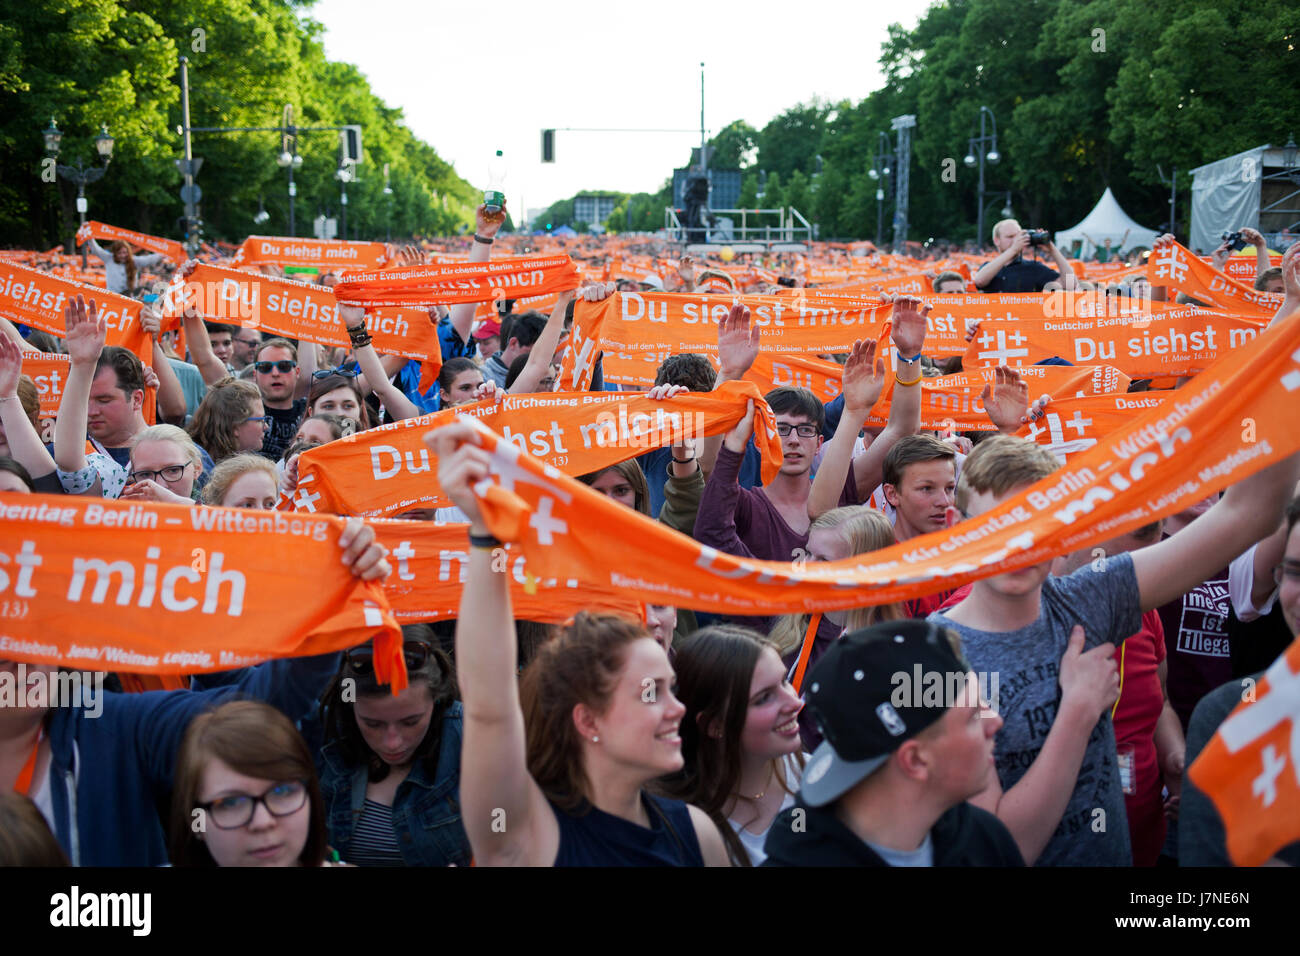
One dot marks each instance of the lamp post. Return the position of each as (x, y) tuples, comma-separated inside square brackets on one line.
[(344, 175), (880, 170), (289, 159), (81, 174), (388, 208), (989, 141)]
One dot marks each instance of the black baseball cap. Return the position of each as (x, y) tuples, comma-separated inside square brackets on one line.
[(853, 697)]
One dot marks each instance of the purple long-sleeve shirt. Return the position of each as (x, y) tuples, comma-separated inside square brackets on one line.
[(744, 522)]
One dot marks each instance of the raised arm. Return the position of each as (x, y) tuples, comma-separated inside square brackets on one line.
[(543, 350), (172, 406), (486, 226), (715, 522), (85, 333), (1063, 267), (306, 369), (1032, 809), (1248, 511), (738, 346), (863, 381), (506, 816), (198, 342), (908, 333), (7, 330), (25, 446), (984, 275), (398, 405)]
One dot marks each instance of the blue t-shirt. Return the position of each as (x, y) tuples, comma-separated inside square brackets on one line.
[(655, 465)]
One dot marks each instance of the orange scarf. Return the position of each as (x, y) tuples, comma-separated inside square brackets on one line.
[(1248, 769), (1173, 265), (459, 282), (1158, 464), (97, 230), (169, 589), (330, 254), (388, 470)]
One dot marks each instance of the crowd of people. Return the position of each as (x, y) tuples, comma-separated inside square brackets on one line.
[(684, 738)]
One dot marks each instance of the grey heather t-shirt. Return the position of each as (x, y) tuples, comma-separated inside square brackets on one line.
[(1026, 665)]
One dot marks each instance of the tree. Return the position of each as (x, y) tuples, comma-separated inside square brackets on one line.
[(734, 146)]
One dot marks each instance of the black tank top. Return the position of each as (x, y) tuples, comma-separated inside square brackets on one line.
[(597, 838)]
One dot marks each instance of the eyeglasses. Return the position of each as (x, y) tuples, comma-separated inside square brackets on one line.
[(170, 473), (341, 371), (803, 431), (284, 365), (236, 810), (362, 659), (264, 419)]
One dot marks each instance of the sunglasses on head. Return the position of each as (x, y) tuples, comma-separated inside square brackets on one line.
[(362, 659), (341, 371), (284, 365)]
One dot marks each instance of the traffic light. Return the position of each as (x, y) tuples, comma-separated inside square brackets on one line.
[(351, 142), (548, 145)]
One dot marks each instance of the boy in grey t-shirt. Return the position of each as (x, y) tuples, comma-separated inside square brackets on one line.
[(1093, 830), (1058, 790)]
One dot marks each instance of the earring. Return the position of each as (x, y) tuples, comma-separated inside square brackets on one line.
[(595, 740)]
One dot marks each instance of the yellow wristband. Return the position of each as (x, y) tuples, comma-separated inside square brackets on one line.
[(912, 382)]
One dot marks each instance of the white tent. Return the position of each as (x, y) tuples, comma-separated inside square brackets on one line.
[(1106, 221)]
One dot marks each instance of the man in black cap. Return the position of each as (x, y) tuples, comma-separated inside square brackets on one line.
[(908, 738)]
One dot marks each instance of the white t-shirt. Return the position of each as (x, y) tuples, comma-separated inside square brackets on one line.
[(753, 842), (1241, 581)]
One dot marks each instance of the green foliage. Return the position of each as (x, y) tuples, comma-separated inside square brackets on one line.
[(88, 62), (1087, 94)]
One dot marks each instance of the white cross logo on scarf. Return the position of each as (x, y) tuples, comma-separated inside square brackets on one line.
[(1282, 702), (1002, 352), (1170, 264), (1058, 444)]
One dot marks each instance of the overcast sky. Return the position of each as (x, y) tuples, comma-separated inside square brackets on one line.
[(472, 78)]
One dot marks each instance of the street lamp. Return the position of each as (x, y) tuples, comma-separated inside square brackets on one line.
[(978, 149), (879, 170), (1289, 154), (388, 211), (81, 174), (289, 159), (344, 175)]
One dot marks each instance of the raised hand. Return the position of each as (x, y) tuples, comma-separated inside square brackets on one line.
[(909, 325), (363, 555), (151, 321), (1007, 401), (738, 437), (487, 391), (352, 316), (86, 331), (11, 366), (594, 292), (737, 342), (661, 392), (864, 377), (486, 223)]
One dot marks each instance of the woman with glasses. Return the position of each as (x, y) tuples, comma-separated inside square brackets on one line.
[(165, 466), (390, 766), (335, 392), (246, 792), (230, 420)]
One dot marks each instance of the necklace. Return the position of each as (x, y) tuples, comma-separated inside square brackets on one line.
[(771, 773)]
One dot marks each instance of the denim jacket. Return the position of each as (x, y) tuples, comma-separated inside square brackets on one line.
[(426, 813)]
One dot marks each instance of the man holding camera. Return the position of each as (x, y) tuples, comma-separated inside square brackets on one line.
[(1010, 272)]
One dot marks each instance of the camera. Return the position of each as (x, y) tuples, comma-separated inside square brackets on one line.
[(1039, 237), (1235, 239)]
